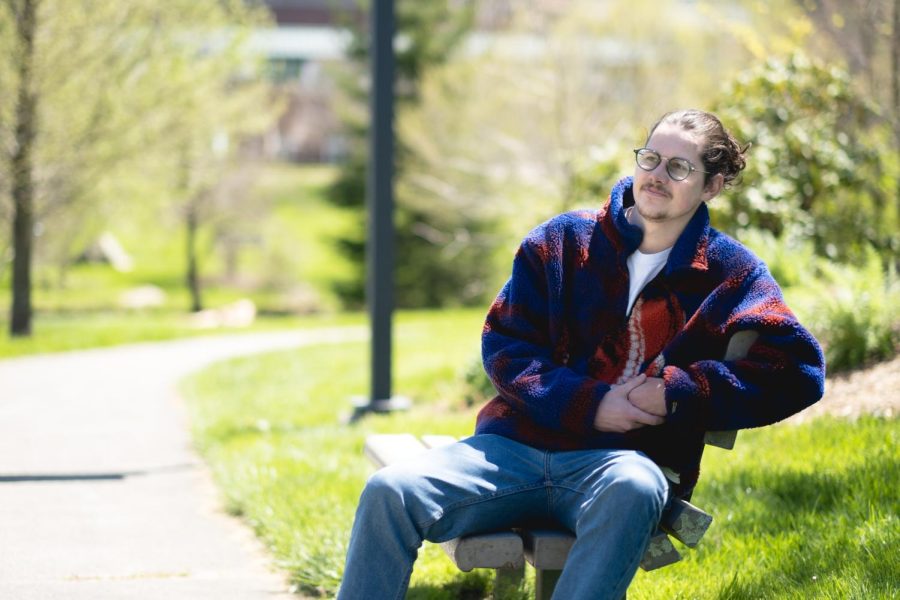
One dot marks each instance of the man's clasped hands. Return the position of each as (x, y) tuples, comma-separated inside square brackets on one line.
[(638, 402)]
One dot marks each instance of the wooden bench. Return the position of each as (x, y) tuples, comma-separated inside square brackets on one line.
[(547, 549)]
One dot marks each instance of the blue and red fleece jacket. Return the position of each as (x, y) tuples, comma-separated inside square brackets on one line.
[(558, 337)]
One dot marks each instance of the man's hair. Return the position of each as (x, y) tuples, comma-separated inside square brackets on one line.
[(720, 151)]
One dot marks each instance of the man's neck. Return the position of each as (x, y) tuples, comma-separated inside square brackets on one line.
[(657, 236)]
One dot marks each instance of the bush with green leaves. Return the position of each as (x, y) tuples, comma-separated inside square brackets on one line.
[(857, 315), (437, 259), (820, 166), (851, 309), (475, 386)]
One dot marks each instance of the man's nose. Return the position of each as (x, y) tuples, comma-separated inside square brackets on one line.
[(660, 170)]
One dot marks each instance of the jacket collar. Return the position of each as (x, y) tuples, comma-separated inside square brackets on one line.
[(689, 252)]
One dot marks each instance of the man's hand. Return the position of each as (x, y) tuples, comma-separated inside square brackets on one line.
[(650, 396), (617, 414)]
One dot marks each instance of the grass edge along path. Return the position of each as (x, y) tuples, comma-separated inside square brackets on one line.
[(61, 332), (800, 511)]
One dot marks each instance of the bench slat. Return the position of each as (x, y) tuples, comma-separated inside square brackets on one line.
[(738, 348), (436, 441), (386, 449), (547, 548), (685, 522), (660, 553), (501, 550), (721, 439)]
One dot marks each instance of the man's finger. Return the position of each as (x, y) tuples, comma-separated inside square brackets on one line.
[(642, 416), (632, 383)]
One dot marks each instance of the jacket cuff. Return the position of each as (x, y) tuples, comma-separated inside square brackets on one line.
[(684, 398), (589, 408)]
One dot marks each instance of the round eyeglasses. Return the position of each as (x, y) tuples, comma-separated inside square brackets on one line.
[(678, 169)]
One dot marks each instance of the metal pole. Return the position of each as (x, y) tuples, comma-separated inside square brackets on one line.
[(380, 206)]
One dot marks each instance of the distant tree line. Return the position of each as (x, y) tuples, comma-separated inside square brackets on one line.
[(107, 105)]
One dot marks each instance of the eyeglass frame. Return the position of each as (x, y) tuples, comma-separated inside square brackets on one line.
[(691, 167)]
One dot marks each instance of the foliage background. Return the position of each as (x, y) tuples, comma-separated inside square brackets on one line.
[(502, 122)]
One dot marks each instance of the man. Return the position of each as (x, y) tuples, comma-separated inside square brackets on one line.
[(605, 347)]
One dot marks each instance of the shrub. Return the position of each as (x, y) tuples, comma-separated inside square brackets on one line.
[(856, 315), (850, 308), (792, 263), (476, 387)]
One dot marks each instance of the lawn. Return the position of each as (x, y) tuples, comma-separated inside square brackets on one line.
[(288, 270), (800, 511)]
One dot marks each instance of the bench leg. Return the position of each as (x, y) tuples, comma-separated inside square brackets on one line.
[(545, 582), (507, 580)]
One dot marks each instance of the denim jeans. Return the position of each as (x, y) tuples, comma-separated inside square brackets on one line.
[(611, 499)]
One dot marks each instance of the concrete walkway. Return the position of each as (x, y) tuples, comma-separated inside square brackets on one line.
[(101, 493)]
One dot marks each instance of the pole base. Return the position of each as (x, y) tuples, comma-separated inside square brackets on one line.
[(363, 406)]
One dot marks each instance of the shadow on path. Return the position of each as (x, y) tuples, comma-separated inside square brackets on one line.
[(80, 477)]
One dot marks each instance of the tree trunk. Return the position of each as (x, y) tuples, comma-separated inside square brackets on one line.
[(895, 67), (22, 172), (193, 274)]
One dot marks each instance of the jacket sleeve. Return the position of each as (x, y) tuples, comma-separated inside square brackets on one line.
[(782, 374), (522, 332)]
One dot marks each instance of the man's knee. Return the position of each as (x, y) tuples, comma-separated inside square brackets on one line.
[(640, 482), (397, 491), (388, 485), (633, 485)]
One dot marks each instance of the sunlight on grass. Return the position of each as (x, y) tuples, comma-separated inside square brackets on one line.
[(800, 511), (271, 427), (59, 332)]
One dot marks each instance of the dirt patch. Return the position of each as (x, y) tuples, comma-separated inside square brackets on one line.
[(872, 391)]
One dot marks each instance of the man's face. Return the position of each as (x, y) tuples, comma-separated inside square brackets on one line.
[(658, 198)]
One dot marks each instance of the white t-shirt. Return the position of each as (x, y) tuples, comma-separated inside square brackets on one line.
[(641, 269)]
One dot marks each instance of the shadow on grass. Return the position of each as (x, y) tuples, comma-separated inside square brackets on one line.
[(475, 585)]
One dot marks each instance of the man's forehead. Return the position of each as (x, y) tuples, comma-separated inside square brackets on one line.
[(670, 134)]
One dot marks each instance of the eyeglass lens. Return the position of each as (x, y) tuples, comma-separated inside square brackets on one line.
[(677, 168)]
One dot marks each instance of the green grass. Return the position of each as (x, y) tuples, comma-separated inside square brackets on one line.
[(289, 272), (78, 330), (306, 225), (801, 512), (287, 463)]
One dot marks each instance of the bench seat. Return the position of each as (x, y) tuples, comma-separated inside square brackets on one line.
[(544, 549)]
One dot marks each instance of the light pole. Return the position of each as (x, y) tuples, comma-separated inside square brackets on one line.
[(380, 207)]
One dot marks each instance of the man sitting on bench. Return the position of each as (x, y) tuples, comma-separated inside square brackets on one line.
[(605, 347)]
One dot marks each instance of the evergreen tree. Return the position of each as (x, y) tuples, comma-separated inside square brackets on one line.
[(427, 33)]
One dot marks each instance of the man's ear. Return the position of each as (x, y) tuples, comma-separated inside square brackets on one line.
[(713, 187)]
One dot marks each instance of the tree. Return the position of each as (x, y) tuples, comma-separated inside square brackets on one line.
[(866, 33), (819, 168), (427, 33), (24, 19), (222, 102), (99, 89), (540, 118)]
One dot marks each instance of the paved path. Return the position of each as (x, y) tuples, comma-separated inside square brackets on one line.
[(101, 494)]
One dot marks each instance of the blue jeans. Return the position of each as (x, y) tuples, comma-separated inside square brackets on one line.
[(611, 499)]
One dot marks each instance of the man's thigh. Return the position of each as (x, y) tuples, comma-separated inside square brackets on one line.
[(481, 483), (609, 480)]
